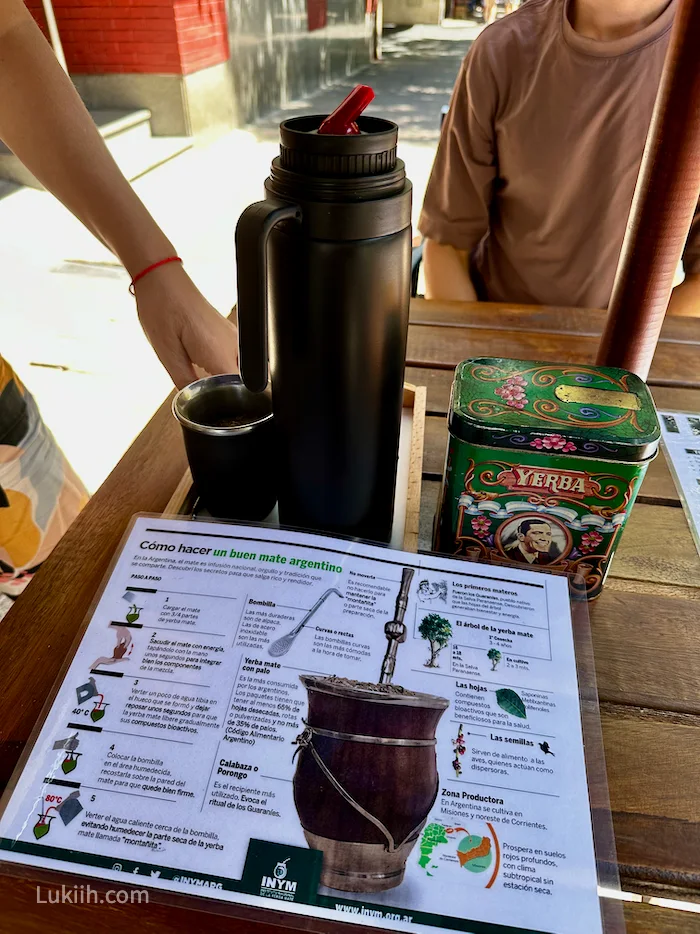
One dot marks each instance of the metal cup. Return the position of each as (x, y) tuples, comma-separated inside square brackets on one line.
[(230, 442)]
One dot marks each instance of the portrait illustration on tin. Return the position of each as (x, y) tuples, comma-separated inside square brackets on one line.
[(534, 539)]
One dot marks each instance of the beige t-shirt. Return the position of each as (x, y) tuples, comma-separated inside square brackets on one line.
[(540, 153)]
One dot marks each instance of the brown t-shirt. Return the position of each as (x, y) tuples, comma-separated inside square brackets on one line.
[(540, 153)]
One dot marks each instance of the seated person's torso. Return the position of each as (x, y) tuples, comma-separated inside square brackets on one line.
[(568, 117)]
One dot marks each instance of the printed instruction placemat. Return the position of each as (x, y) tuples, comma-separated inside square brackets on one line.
[(329, 728)]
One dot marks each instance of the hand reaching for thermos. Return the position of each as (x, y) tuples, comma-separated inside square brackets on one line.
[(184, 329)]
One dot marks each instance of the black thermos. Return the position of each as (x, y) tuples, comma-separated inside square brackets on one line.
[(324, 266)]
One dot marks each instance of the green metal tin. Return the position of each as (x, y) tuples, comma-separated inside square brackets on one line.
[(544, 463)]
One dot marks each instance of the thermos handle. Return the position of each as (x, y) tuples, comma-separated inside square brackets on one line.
[(252, 232)]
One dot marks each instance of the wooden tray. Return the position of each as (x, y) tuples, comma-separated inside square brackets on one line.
[(184, 501)]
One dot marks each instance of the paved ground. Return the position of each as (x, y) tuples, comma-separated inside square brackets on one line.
[(411, 84), (68, 323)]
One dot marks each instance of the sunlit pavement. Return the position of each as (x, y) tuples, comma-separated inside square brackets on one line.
[(69, 325)]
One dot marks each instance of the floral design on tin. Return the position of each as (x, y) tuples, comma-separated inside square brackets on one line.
[(553, 443), (481, 526), (590, 541), (513, 392)]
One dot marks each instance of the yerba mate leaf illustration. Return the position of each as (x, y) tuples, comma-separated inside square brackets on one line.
[(40, 830), (511, 702)]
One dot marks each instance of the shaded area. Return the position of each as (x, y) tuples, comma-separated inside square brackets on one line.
[(412, 83), (277, 55)]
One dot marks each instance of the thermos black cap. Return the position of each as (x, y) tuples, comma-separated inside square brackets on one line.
[(306, 152)]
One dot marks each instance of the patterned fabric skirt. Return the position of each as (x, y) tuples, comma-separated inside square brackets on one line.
[(40, 494)]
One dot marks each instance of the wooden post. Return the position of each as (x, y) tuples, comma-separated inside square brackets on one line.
[(53, 34), (664, 203), (378, 29)]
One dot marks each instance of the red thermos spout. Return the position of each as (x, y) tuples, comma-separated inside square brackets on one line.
[(342, 121)]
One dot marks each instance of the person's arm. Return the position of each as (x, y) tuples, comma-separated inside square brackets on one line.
[(685, 298), (455, 215), (447, 273), (44, 122)]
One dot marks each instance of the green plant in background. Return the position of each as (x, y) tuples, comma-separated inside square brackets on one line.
[(437, 631), (511, 702), (495, 657)]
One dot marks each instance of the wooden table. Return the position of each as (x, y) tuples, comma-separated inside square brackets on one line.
[(646, 625)]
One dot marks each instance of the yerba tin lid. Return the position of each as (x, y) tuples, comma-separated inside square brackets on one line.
[(584, 411)]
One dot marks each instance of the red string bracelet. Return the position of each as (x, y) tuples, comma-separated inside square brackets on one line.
[(145, 272)]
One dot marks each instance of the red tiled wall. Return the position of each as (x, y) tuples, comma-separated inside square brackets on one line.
[(108, 36), (317, 13), (202, 31), (140, 36)]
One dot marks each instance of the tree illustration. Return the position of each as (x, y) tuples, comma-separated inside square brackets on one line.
[(437, 630), (495, 657)]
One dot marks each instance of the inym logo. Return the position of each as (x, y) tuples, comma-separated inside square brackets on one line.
[(278, 885), (282, 871)]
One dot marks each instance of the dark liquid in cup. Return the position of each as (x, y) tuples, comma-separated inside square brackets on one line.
[(230, 442), (227, 421)]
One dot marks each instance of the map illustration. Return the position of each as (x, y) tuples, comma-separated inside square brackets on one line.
[(474, 853)]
